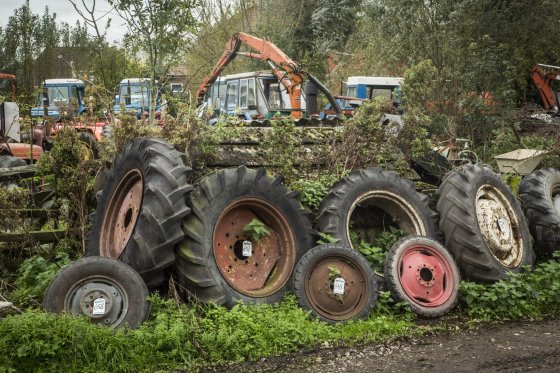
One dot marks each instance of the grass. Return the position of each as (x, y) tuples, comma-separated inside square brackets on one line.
[(190, 337)]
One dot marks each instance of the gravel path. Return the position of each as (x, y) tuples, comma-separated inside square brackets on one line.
[(511, 347)]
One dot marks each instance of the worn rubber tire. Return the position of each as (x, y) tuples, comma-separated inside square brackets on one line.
[(450, 283), (196, 270), (9, 161), (540, 196), (107, 132), (312, 258), (82, 271), (89, 140), (337, 206), (460, 227), (150, 249)]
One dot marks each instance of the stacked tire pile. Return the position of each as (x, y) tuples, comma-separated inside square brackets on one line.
[(241, 235)]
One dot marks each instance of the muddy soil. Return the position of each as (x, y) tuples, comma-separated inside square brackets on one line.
[(510, 347)]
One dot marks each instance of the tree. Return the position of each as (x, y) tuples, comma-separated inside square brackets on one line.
[(161, 29)]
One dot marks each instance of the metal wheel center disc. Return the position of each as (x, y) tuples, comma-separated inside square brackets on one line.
[(499, 226), (99, 301)]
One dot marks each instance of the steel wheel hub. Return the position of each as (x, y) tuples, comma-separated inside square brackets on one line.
[(254, 268), (321, 283), (498, 226), (426, 276), (100, 300), (122, 214)]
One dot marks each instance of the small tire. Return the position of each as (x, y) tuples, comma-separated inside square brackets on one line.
[(140, 210), (483, 225), (210, 264), (314, 284), (91, 146), (389, 199), (9, 161), (422, 273), (77, 286), (540, 194)]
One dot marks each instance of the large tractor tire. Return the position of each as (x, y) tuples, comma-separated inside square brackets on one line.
[(422, 273), (107, 291), (540, 193), (483, 224), (140, 210), (370, 201), (336, 283), (212, 263), (90, 146)]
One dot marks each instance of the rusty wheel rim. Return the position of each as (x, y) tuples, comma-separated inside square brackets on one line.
[(319, 287), (396, 207), (122, 214), (426, 276), (499, 226), (273, 256)]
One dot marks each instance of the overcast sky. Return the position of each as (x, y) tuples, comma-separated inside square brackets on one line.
[(64, 13)]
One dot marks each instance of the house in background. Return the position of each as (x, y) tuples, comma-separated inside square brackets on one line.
[(61, 62), (176, 78)]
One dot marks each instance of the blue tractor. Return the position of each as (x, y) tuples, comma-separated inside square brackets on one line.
[(60, 97), (134, 97)]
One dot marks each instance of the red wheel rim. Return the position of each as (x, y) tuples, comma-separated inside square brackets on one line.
[(426, 276), (272, 262), (122, 214)]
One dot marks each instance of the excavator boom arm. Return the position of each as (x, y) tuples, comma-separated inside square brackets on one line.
[(284, 68), (543, 82)]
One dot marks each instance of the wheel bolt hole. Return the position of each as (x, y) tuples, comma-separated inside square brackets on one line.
[(127, 217), (426, 274), (256, 264)]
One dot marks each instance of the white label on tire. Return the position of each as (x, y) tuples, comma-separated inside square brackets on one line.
[(98, 307), (338, 287), (247, 248)]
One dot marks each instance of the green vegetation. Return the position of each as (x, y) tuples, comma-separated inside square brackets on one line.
[(180, 337), (256, 229)]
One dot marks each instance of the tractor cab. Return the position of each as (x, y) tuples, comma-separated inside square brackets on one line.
[(134, 97), (249, 96), (60, 98)]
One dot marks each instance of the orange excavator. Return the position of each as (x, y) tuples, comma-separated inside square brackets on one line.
[(543, 81), (286, 70)]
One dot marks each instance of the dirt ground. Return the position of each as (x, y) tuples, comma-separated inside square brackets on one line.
[(510, 347)]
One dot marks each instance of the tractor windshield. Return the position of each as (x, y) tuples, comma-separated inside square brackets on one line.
[(55, 96), (136, 95)]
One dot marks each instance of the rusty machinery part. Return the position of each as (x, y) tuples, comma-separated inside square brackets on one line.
[(336, 283), (370, 201), (107, 291), (90, 146), (140, 210), (218, 262), (540, 194), (483, 224), (422, 273)]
